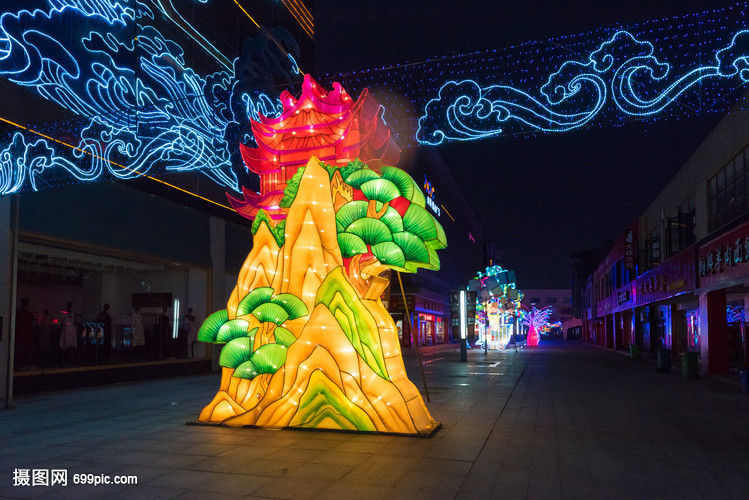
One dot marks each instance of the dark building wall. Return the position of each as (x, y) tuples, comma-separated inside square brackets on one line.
[(464, 255), (112, 215), (582, 266), (115, 216)]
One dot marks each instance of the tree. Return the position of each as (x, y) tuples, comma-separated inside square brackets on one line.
[(536, 320), (256, 340)]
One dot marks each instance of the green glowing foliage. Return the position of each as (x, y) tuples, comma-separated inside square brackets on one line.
[(231, 330), (292, 304), (420, 223), (351, 245), (359, 177), (403, 243), (371, 231), (266, 307), (267, 358), (390, 254), (407, 187), (393, 220), (378, 189), (292, 187), (235, 352), (270, 313), (276, 230), (208, 331), (350, 212), (283, 336), (413, 248), (238, 352), (255, 298)]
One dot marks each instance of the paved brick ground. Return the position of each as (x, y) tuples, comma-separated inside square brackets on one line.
[(564, 420)]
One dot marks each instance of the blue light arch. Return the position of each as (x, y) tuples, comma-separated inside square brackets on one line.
[(143, 110), (622, 70)]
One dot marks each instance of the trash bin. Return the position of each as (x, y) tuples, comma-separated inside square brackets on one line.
[(689, 364), (744, 376), (634, 351), (664, 360)]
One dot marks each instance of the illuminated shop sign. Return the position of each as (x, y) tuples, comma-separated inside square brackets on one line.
[(725, 255), (673, 277), (623, 296), (722, 261), (630, 243), (429, 190), (659, 283)]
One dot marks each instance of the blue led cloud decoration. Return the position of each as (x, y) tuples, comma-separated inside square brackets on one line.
[(141, 107), (623, 69)]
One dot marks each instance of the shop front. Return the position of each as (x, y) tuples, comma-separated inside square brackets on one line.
[(723, 274), (428, 316), (665, 318), (81, 309)]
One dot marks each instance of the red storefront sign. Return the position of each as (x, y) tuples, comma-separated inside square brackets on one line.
[(674, 277), (724, 260)]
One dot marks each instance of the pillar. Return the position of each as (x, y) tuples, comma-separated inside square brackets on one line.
[(628, 331), (678, 330), (8, 244), (745, 334), (713, 333), (217, 297)]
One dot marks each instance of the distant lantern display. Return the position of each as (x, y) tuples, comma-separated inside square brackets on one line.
[(308, 343), (537, 320), (497, 307)]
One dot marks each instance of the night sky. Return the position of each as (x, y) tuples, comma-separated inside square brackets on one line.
[(541, 197)]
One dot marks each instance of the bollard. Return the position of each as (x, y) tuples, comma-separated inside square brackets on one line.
[(664, 360), (689, 364), (634, 351)]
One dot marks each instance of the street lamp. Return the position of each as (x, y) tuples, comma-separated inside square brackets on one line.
[(463, 326)]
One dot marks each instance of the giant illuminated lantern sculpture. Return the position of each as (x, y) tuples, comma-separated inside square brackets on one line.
[(308, 342)]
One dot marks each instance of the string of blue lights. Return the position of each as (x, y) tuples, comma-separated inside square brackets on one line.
[(143, 111), (622, 67), (674, 67)]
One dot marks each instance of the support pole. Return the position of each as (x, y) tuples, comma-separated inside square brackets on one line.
[(463, 327)]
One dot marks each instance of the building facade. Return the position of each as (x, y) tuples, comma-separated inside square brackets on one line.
[(560, 302), (676, 279)]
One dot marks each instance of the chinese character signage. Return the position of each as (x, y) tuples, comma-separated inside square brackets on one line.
[(724, 260), (630, 244)]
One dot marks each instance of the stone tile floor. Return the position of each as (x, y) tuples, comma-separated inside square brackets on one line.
[(564, 420)]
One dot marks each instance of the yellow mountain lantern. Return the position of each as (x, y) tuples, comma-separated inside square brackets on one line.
[(308, 343)]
